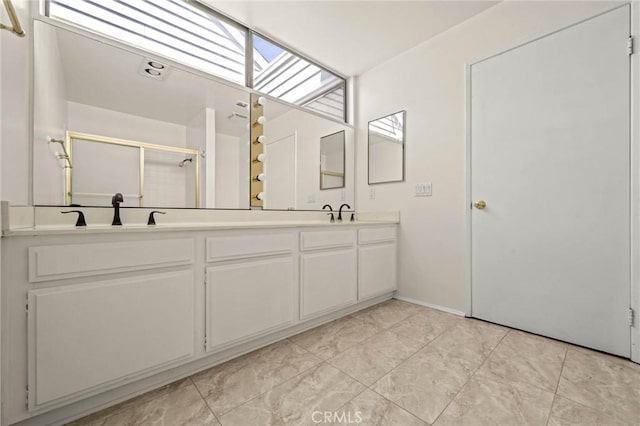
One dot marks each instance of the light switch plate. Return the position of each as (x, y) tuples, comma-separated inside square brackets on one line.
[(311, 198), (424, 189), (372, 193)]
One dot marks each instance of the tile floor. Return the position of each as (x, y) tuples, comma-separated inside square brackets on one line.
[(399, 364)]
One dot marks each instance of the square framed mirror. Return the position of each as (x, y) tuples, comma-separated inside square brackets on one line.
[(386, 149)]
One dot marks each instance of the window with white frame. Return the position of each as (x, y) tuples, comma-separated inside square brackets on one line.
[(197, 37), (281, 73)]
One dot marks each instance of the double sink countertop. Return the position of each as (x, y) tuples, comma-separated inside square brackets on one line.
[(31, 221)]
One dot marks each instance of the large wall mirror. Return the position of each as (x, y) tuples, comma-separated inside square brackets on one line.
[(386, 148), (162, 135)]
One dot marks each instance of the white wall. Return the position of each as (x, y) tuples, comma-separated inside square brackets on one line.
[(197, 132), (16, 128), (105, 122), (227, 171), (49, 117), (310, 129), (244, 152), (428, 81)]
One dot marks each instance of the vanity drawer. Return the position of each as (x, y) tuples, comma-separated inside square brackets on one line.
[(326, 239), (248, 246), (47, 263), (377, 235)]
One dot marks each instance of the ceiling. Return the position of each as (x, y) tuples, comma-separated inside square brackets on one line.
[(350, 37)]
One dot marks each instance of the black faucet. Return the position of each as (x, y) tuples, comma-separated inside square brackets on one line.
[(115, 202), (340, 211), (152, 220), (331, 210), (81, 221)]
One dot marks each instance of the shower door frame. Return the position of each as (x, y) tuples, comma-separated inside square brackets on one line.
[(68, 179)]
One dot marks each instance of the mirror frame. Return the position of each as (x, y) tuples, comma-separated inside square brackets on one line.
[(404, 139), (344, 160)]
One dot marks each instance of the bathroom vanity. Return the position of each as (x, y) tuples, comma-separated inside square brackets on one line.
[(95, 316)]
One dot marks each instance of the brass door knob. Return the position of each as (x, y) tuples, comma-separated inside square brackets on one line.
[(480, 204)]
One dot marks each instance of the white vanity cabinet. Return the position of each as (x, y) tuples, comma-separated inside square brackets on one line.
[(86, 333), (328, 271), (113, 313), (250, 287), (377, 261)]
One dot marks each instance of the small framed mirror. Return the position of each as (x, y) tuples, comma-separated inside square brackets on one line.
[(332, 161), (386, 149)]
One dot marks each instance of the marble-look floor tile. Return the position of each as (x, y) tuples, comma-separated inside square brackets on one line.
[(524, 359), (428, 381), (231, 384), (569, 413), (487, 402), (389, 313), (327, 340), (425, 383), (598, 382), (323, 388), (177, 404), (471, 340), (426, 325), (376, 356), (624, 362), (371, 409)]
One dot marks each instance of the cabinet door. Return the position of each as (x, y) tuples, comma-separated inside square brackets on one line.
[(328, 281), (249, 298), (85, 337), (376, 270)]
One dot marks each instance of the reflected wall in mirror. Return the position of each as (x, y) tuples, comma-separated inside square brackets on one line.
[(85, 86), (386, 149), (293, 150), (332, 161)]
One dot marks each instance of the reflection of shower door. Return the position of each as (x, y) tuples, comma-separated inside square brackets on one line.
[(100, 170), (146, 174), (280, 169)]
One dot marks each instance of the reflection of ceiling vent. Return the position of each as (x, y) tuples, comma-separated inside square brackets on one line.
[(242, 104), (154, 69), (237, 115)]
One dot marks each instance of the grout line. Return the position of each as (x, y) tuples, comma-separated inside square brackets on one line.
[(276, 386), (399, 406), (321, 361), (204, 399), (414, 354), (345, 404), (555, 392), (553, 401), (471, 376), (564, 360)]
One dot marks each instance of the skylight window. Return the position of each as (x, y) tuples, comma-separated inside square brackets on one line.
[(171, 28), (193, 35), (285, 75)]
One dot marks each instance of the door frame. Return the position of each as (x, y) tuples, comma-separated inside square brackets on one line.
[(634, 159)]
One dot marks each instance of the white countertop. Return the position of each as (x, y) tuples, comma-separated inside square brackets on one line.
[(211, 226), (32, 221)]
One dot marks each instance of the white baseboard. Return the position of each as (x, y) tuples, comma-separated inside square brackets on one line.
[(430, 305)]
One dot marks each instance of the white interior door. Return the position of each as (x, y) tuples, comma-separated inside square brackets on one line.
[(550, 144)]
